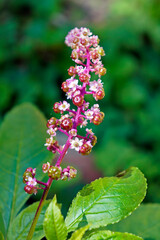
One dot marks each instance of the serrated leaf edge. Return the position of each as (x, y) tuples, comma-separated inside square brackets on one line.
[(110, 177), (140, 238)]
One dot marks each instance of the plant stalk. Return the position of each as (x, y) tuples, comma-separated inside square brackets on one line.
[(62, 154), (43, 198)]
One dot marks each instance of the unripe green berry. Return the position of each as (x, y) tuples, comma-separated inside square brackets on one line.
[(102, 71), (74, 54), (101, 51), (72, 172), (26, 175), (85, 149), (64, 177), (54, 172)]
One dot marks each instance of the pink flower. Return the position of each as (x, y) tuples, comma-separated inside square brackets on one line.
[(89, 114), (95, 108), (95, 85), (51, 132), (89, 131), (76, 144), (73, 84), (73, 132), (31, 181), (64, 106)]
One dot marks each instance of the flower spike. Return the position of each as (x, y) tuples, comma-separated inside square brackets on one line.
[(86, 53)]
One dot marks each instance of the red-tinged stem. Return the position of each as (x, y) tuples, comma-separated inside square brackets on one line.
[(46, 190), (42, 183), (81, 137), (62, 154), (88, 92), (63, 131), (64, 151), (72, 111), (39, 209)]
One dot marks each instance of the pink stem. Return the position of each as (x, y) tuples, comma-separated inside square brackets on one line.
[(42, 183), (63, 131)]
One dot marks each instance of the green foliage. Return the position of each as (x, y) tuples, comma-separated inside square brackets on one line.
[(131, 125), (34, 60), (108, 235), (108, 200), (78, 234), (54, 226), (2, 227), (145, 222), (119, 155), (20, 226), (22, 136), (1, 236)]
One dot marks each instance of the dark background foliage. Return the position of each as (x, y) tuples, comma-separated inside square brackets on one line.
[(34, 62)]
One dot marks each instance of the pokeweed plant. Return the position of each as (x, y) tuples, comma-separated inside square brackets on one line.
[(102, 202)]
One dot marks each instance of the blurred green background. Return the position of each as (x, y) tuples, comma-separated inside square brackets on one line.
[(34, 62)]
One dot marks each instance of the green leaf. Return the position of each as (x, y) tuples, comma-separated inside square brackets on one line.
[(144, 222), (1, 236), (107, 200), (108, 235), (78, 234), (22, 138), (2, 228), (20, 227), (54, 225)]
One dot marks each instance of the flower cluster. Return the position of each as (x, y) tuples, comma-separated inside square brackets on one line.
[(30, 181), (56, 172), (86, 53)]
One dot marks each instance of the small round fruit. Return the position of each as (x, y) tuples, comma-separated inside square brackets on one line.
[(83, 41), (100, 94), (66, 124), (84, 78), (85, 149), (51, 122), (98, 118), (29, 189), (74, 54), (78, 100), (94, 54), (26, 175), (102, 71), (54, 172), (71, 71), (65, 87), (93, 139), (56, 107), (72, 172)]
